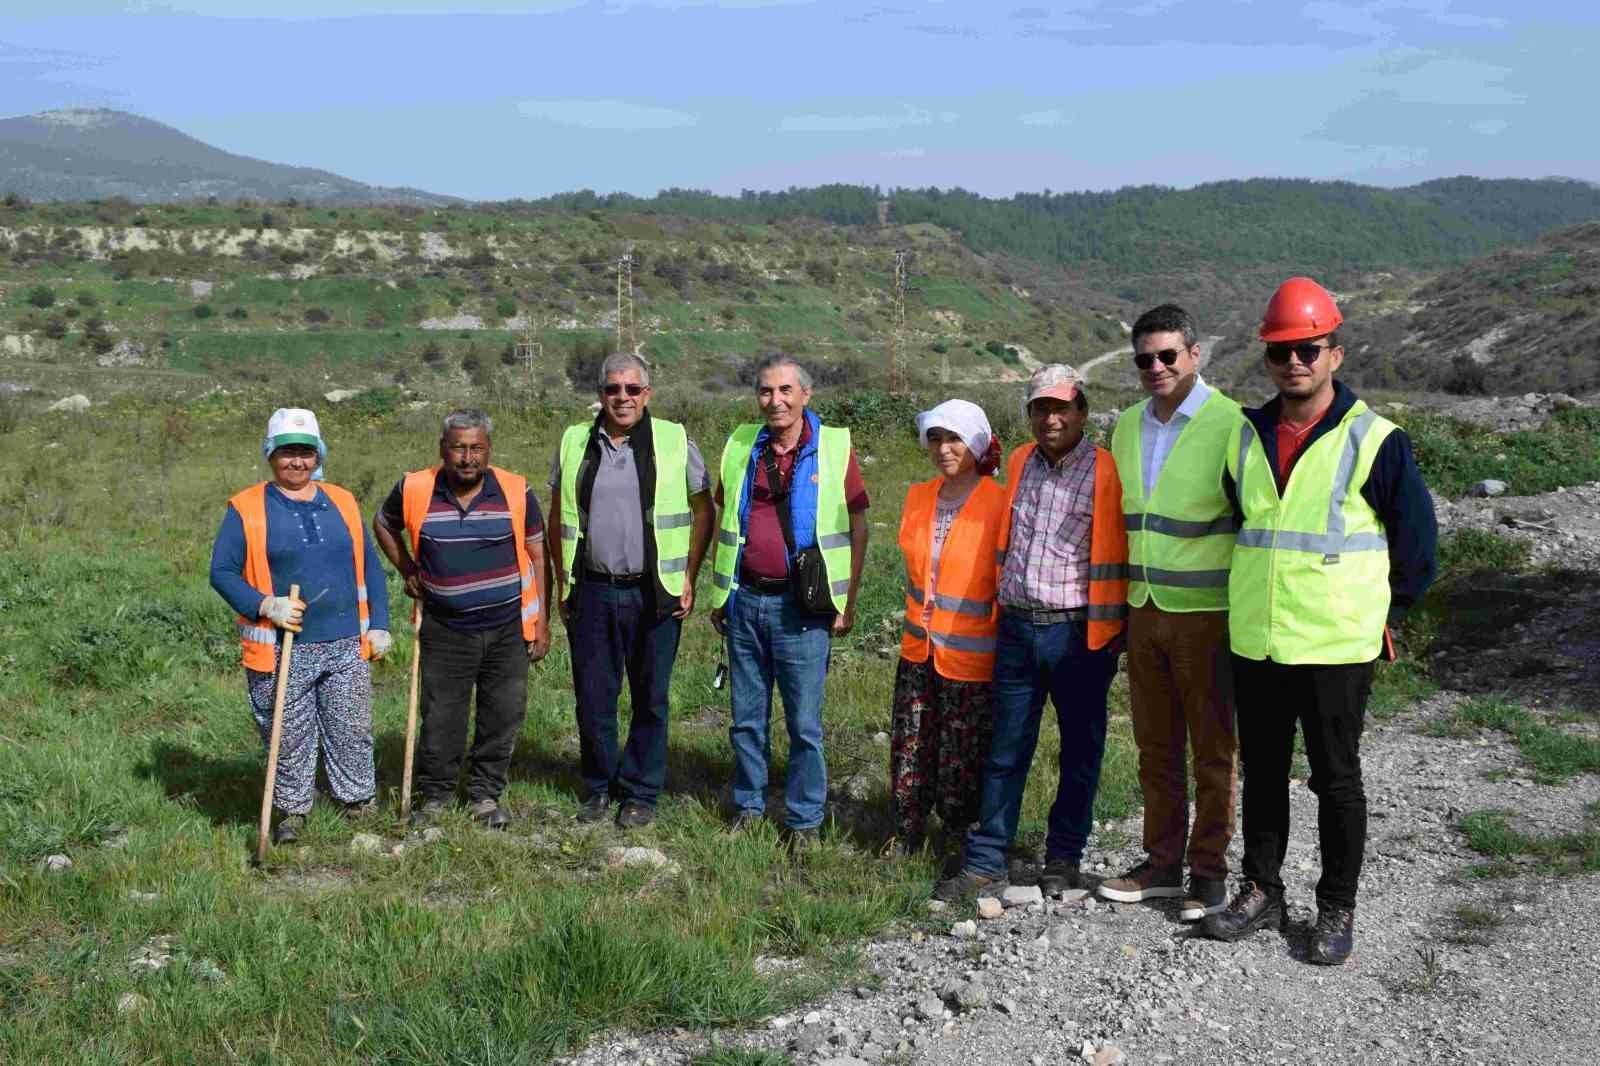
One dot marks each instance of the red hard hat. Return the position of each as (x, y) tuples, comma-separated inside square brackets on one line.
[(1299, 310)]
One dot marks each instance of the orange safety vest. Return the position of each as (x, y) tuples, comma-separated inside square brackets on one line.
[(417, 493), (1108, 544), (257, 637), (966, 614)]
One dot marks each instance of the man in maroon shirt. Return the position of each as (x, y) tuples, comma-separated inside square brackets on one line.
[(772, 639)]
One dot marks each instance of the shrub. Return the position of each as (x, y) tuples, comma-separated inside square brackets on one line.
[(55, 327), (316, 316), (42, 296), (432, 354), (204, 311), (238, 314), (583, 363), (86, 298), (1479, 551), (505, 307)]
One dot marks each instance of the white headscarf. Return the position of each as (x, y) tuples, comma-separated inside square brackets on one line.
[(963, 418)]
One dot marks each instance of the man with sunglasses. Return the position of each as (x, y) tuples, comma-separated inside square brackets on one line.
[(635, 505), (1171, 451), (1336, 541)]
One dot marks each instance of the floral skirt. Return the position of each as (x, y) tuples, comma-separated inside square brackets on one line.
[(939, 740)]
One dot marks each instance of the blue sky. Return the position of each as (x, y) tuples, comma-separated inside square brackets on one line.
[(495, 99)]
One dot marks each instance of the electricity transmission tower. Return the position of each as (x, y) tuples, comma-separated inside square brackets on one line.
[(627, 328), (529, 352), (897, 381)]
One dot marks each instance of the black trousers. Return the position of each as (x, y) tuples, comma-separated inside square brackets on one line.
[(1330, 704), (494, 661)]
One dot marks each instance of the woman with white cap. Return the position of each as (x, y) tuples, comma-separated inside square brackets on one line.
[(949, 534), (296, 529)]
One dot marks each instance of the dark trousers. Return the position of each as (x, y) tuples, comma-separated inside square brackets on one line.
[(1330, 703), (495, 661), (1032, 662), (615, 632)]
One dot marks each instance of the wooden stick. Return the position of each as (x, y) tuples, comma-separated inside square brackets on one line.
[(411, 711), (277, 737)]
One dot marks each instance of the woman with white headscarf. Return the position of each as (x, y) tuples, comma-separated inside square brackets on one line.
[(296, 529), (949, 534)]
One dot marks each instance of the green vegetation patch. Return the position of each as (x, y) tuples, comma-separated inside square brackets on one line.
[(1455, 455), (1553, 754), (1513, 852)]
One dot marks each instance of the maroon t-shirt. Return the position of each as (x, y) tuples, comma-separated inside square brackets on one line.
[(765, 554)]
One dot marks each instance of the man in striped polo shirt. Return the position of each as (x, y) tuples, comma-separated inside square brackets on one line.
[(473, 555)]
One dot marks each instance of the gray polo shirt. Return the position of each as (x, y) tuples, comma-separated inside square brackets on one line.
[(616, 525)]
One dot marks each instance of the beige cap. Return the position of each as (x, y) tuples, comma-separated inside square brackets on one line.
[(1058, 381)]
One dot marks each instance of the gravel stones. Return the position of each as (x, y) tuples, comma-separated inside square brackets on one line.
[(654, 858), (1488, 487), (1021, 895), (964, 930)]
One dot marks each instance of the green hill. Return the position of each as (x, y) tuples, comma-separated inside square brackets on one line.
[(238, 291)]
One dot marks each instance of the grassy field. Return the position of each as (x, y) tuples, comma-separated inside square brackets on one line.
[(126, 744)]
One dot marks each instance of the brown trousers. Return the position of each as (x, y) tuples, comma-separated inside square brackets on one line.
[(1181, 686)]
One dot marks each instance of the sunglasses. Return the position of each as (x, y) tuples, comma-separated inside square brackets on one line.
[(614, 388), (1146, 360), (1278, 354)]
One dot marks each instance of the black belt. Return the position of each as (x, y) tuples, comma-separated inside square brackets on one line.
[(1047, 618), (765, 586), (620, 581)]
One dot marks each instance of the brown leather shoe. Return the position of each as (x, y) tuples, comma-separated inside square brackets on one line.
[(1143, 882)]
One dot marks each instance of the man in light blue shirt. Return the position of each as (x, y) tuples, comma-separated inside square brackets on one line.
[(1180, 544)]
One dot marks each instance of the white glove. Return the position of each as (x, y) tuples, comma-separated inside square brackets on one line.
[(283, 612), (380, 642)]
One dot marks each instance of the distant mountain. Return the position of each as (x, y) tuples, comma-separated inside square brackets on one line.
[(95, 154)]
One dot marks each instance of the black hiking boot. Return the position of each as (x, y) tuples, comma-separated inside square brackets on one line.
[(968, 884), (1251, 908), (1334, 936)]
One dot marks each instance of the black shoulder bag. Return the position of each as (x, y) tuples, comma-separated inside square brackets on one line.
[(808, 574)]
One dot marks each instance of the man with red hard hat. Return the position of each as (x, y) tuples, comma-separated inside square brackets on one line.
[(1336, 540)]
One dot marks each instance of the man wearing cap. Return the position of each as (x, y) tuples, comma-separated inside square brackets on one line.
[(793, 521), (1171, 450), (1336, 539), (626, 581), (473, 556), (1063, 601)]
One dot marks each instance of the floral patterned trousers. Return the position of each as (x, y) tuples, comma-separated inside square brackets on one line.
[(939, 738)]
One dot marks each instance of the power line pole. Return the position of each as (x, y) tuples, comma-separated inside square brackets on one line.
[(897, 333), (627, 329)]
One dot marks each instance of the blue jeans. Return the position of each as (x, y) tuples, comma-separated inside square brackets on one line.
[(615, 632), (770, 640), (1031, 662)]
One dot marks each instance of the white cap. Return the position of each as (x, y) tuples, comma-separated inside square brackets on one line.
[(295, 425)]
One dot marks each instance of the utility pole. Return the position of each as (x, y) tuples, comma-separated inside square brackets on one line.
[(529, 352), (627, 329), (897, 333)]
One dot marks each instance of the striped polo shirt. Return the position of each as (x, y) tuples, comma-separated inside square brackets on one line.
[(467, 556)]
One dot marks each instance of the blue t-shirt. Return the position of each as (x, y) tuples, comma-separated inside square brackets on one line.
[(308, 545)]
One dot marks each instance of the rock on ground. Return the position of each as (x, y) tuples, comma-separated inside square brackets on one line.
[(75, 404)]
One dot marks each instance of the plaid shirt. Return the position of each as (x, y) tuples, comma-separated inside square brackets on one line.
[(1052, 514)]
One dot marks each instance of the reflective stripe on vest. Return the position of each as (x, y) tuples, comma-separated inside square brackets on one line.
[(257, 642), (1108, 543), (670, 517), (1310, 573), (961, 627), (416, 493), (1180, 540), (832, 519)]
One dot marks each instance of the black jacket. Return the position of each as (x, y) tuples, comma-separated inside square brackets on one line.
[(1394, 490)]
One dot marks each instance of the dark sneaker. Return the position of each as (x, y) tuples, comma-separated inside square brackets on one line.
[(1206, 895), (597, 808), (1059, 876), (428, 812), (745, 821), (355, 812), (287, 831), (967, 885), (1333, 937), (1251, 908), (489, 814), (635, 816), (1144, 882)]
